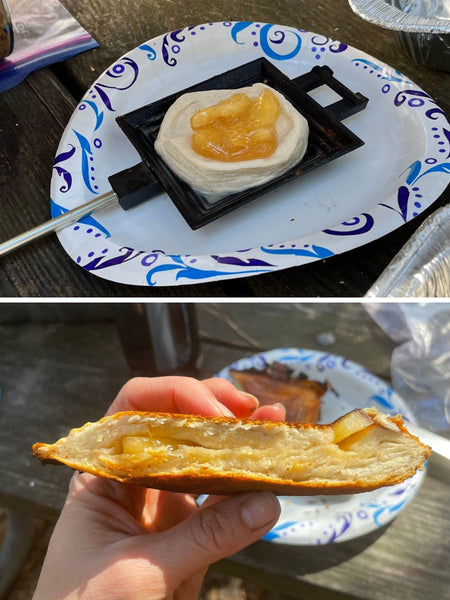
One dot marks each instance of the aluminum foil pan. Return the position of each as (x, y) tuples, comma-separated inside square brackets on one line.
[(429, 16), (422, 27), (422, 267)]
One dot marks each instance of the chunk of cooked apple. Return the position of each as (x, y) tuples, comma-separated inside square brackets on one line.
[(356, 421)]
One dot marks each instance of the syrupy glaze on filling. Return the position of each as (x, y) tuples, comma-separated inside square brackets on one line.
[(238, 128)]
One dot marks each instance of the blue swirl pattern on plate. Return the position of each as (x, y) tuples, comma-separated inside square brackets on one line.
[(62, 172), (82, 153)]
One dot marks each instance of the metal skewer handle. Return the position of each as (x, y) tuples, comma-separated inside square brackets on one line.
[(69, 217)]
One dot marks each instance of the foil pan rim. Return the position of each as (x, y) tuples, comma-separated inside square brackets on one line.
[(422, 263), (380, 12)]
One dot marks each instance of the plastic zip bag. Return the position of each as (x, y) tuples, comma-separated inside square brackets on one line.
[(44, 33), (420, 364)]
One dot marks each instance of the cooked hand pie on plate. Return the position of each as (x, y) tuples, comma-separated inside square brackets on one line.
[(361, 451), (300, 396)]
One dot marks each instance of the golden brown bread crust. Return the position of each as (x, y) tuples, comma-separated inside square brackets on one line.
[(205, 480), (217, 485), (300, 396)]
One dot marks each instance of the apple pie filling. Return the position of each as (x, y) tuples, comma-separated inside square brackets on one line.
[(238, 128)]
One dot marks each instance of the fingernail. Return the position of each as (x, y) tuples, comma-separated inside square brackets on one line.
[(260, 509), (281, 406), (224, 411), (250, 398)]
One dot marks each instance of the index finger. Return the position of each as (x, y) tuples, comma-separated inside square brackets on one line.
[(168, 394)]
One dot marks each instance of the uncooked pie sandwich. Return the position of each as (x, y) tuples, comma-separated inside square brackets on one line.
[(361, 451), (225, 141)]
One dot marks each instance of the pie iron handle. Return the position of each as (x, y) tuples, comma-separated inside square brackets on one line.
[(134, 185), (350, 103), (130, 187)]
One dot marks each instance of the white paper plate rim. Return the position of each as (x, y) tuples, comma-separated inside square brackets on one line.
[(82, 153)]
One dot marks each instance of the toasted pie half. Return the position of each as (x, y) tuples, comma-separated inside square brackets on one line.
[(277, 383), (361, 451)]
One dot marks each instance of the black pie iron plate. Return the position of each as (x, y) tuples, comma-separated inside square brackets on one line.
[(328, 139)]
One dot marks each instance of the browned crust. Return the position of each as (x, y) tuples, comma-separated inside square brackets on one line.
[(206, 481), (397, 419), (233, 484), (200, 418), (43, 452), (300, 396)]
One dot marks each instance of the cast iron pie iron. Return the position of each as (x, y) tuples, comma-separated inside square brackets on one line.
[(328, 139)]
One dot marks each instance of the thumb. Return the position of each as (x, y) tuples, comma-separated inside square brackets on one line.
[(216, 531)]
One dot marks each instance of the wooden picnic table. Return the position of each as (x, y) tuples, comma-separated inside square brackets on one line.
[(34, 114), (62, 366)]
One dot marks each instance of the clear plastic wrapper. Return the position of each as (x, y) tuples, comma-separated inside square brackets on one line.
[(44, 33), (422, 267), (422, 27), (420, 364)]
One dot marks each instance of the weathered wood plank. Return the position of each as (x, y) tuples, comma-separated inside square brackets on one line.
[(17, 543), (402, 560), (255, 328), (52, 376)]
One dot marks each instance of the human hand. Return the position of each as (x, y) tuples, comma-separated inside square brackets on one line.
[(126, 542)]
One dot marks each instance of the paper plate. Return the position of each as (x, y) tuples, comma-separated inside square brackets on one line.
[(312, 520), (402, 168)]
